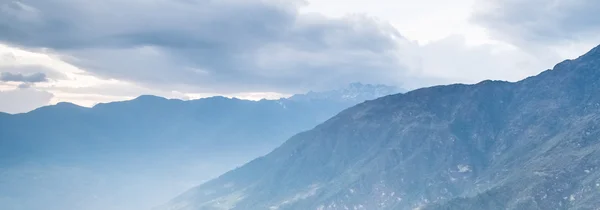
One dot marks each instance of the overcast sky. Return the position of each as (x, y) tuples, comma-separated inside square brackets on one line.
[(88, 52)]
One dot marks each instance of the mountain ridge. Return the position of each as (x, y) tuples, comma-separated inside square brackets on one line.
[(142, 150), (428, 148), (362, 92)]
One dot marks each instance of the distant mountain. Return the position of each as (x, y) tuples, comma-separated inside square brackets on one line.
[(120, 155), (533, 144), (354, 93)]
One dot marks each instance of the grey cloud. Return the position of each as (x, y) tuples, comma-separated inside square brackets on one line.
[(31, 78), (451, 58), (24, 85), (72, 24), (23, 100), (215, 46), (540, 22), (23, 70)]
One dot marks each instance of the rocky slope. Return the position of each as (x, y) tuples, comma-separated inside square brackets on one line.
[(533, 144)]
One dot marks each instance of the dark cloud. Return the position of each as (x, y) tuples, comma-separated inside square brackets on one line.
[(203, 45), (30, 70), (72, 24), (31, 78), (540, 22)]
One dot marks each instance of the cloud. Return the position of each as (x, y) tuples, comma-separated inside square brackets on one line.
[(209, 46), (24, 85), (539, 22), (451, 58), (30, 78), (23, 100), (113, 49), (42, 72)]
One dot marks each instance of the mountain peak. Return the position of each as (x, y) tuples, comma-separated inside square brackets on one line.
[(353, 92), (360, 84), (67, 104), (60, 107), (149, 97)]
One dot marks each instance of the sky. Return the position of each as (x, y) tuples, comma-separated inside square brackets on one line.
[(89, 52)]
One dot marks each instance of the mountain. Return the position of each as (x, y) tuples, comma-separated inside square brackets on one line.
[(532, 144), (354, 93), (139, 153)]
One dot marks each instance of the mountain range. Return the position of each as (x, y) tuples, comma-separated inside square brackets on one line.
[(139, 153), (532, 144)]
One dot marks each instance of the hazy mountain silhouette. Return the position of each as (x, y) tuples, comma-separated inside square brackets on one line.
[(532, 144), (123, 154)]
